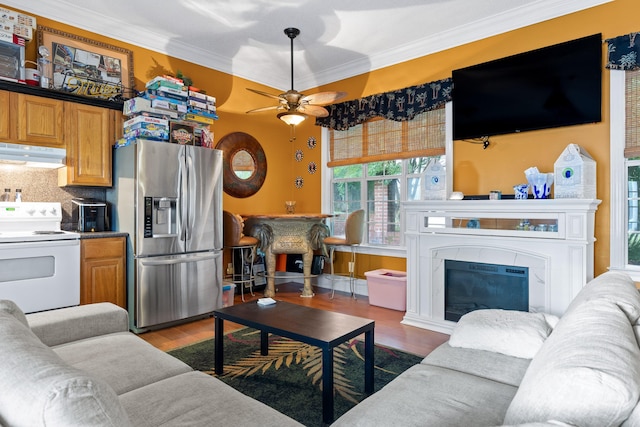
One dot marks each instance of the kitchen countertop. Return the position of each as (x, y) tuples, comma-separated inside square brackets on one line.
[(101, 234)]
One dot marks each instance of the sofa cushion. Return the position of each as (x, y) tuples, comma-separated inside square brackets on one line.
[(197, 399), (510, 332), (70, 324), (492, 366), (432, 396), (37, 388), (587, 373), (12, 308), (129, 363), (612, 286)]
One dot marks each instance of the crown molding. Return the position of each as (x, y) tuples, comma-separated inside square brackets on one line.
[(86, 19), (533, 13)]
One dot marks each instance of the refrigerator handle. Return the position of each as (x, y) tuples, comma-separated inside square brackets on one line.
[(184, 190), (180, 260)]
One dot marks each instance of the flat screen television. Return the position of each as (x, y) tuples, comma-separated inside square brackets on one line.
[(555, 86)]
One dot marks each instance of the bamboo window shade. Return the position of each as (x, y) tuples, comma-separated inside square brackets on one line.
[(632, 112), (380, 139)]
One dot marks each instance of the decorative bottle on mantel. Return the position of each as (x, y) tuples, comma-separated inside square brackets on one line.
[(435, 180)]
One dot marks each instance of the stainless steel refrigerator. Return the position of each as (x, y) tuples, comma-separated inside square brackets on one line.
[(168, 198)]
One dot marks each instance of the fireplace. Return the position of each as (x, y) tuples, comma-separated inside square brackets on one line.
[(545, 245), (470, 286)]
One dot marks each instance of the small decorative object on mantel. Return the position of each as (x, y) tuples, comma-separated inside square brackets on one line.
[(495, 195), (434, 179), (575, 174), (521, 191), (540, 182)]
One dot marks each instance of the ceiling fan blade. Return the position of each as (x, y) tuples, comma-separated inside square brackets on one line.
[(313, 110), (323, 98), (272, 107), (268, 95)]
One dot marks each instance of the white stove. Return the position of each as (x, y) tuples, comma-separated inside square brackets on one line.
[(32, 221), (39, 263)]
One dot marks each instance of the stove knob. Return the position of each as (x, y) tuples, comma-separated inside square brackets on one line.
[(31, 212), (43, 212), (54, 211)]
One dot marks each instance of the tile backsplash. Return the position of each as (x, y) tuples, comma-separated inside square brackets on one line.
[(41, 185)]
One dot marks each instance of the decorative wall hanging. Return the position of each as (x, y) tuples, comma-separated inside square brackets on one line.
[(299, 182), (400, 105), (87, 67), (312, 168), (624, 52), (299, 155), (311, 142)]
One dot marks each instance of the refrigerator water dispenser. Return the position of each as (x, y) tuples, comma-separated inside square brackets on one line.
[(160, 219)]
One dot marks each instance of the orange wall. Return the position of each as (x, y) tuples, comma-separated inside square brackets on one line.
[(476, 170)]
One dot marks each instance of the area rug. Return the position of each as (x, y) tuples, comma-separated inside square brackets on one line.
[(289, 379)]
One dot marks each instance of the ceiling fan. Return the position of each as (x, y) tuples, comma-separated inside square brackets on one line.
[(295, 105)]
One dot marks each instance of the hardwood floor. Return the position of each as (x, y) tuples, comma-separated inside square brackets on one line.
[(389, 331)]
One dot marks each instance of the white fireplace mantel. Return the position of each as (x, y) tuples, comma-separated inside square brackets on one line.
[(553, 237)]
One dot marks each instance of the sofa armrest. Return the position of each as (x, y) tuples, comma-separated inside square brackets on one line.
[(74, 323)]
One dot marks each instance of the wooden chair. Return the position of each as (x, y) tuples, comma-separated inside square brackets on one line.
[(235, 240), (354, 232)]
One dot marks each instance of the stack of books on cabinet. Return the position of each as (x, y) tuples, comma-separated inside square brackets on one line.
[(170, 111)]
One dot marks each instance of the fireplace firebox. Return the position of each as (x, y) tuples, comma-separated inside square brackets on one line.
[(473, 286)]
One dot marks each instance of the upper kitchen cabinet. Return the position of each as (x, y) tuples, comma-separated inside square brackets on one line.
[(89, 134), (39, 120), (28, 119), (5, 116)]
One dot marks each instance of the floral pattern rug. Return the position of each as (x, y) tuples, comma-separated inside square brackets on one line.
[(289, 378)]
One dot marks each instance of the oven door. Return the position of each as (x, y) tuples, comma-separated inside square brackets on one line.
[(40, 275)]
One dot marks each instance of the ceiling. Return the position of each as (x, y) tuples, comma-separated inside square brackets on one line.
[(339, 38)]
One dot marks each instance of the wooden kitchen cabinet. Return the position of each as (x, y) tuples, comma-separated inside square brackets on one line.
[(90, 133), (5, 116), (103, 271), (32, 120), (86, 130), (39, 120)]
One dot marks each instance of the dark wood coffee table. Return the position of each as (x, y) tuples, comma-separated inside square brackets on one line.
[(323, 329)]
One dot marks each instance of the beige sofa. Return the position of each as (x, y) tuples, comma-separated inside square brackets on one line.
[(80, 366), (514, 368)]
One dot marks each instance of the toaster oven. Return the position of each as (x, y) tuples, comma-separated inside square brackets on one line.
[(12, 59)]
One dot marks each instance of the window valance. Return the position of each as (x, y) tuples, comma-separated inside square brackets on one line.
[(400, 105), (624, 52)]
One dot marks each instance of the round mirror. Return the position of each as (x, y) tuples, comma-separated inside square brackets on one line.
[(244, 164)]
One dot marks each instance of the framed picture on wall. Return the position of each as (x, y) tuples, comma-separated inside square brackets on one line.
[(86, 67)]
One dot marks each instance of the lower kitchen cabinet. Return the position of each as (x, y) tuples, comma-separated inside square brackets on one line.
[(102, 271)]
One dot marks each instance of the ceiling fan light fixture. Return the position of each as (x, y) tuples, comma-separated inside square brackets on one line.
[(292, 118), (296, 105)]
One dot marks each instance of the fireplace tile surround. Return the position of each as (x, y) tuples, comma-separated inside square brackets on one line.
[(554, 238)]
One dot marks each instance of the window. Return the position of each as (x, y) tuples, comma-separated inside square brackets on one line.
[(379, 164), (625, 171)]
